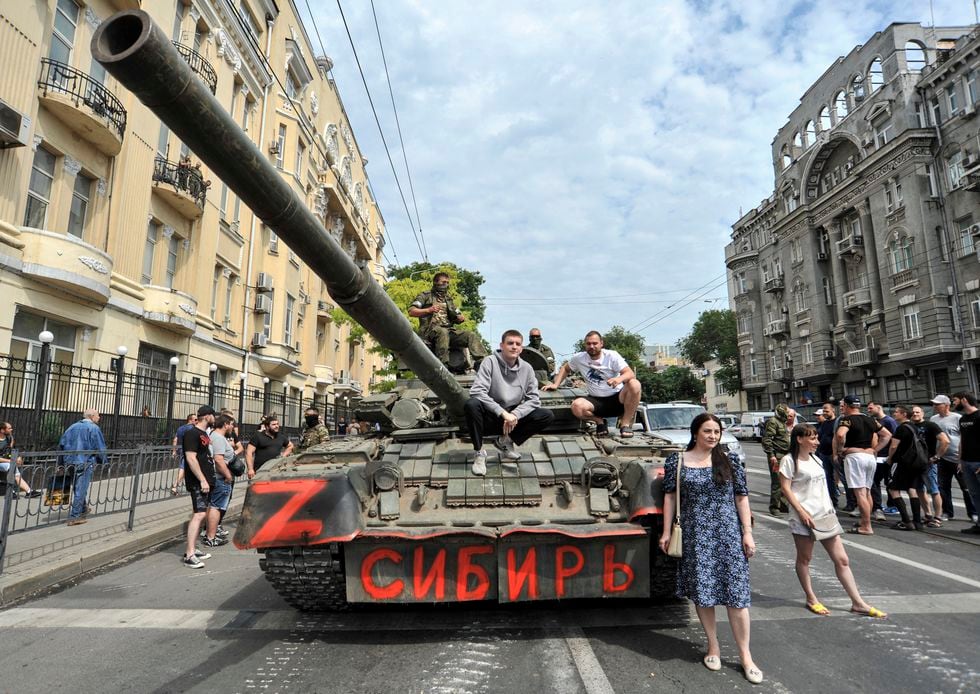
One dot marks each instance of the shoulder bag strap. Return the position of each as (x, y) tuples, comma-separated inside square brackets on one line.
[(677, 490)]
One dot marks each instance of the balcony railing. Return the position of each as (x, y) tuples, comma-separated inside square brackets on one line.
[(183, 178), (903, 277), (777, 327), (850, 245), (63, 79), (862, 357), (775, 284), (857, 298), (199, 65)]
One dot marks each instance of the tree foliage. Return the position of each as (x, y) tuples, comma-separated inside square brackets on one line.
[(715, 336), (673, 383), (629, 345)]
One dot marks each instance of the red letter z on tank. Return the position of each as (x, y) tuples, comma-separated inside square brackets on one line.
[(281, 527)]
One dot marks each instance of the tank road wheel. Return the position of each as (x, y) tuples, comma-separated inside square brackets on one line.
[(308, 578)]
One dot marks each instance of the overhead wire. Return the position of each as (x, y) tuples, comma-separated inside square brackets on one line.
[(398, 126), (377, 121)]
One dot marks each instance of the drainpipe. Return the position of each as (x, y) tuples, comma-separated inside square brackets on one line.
[(954, 279), (252, 228)]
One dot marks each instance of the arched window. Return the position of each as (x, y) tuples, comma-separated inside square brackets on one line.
[(901, 253), (857, 89), (809, 133), (915, 56), (798, 140), (825, 122), (875, 76), (799, 294), (785, 157), (840, 105)]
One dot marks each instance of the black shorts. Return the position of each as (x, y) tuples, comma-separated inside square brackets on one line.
[(904, 477), (608, 406), (199, 499)]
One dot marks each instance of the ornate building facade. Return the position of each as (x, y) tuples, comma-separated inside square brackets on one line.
[(114, 239), (859, 274)]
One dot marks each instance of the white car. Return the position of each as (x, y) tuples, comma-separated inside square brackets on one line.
[(672, 422)]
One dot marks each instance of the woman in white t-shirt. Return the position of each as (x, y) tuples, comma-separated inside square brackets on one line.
[(804, 487)]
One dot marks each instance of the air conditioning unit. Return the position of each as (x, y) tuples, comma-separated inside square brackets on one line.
[(274, 148), (264, 282), (970, 110), (975, 229), (911, 373), (969, 353), (967, 161), (829, 354), (259, 340), (322, 305), (821, 255), (263, 304), (14, 127)]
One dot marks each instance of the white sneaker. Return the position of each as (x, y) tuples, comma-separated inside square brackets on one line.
[(879, 515), (505, 445), (480, 463)]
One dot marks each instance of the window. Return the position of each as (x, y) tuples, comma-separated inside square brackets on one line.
[(249, 20), (719, 389), (785, 157), (777, 266), (920, 115), (741, 285), (24, 344), (229, 288), (163, 142), (857, 89), (875, 76), (281, 149), (910, 323), (975, 311), (744, 323), (840, 106), (953, 100), (971, 86), (173, 243), (796, 251), (884, 133), (809, 134), (893, 194), (933, 183), (935, 114), (267, 317), (789, 201), (799, 294), (300, 151), (798, 140), (63, 36), (854, 225), (754, 366), (901, 253), (287, 333), (966, 242), (828, 292), (954, 168), (292, 85), (897, 389), (825, 122), (152, 236), (79, 205), (915, 56), (214, 291), (39, 189), (273, 242), (807, 352), (223, 202), (246, 112)]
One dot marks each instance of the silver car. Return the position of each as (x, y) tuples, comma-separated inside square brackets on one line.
[(672, 422)]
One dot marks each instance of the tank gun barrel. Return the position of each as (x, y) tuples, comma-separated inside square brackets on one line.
[(138, 54)]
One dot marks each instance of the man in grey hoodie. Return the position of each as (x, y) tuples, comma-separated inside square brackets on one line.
[(504, 400)]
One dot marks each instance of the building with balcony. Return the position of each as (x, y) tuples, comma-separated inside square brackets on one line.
[(860, 273), (112, 232)]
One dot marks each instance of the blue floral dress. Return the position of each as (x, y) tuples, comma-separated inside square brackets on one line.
[(713, 569)]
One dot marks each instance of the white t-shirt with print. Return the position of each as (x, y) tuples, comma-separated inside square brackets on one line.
[(597, 371), (809, 485)]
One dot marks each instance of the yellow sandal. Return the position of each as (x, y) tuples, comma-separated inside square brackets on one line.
[(872, 612), (818, 608)]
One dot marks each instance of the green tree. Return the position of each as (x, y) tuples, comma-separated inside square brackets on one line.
[(715, 336), (629, 345), (673, 383)]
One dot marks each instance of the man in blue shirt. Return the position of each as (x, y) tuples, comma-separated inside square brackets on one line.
[(83, 446)]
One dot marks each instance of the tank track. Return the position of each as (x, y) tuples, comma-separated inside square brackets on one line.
[(310, 579)]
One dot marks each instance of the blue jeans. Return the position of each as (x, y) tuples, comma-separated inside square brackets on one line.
[(83, 478), (970, 470)]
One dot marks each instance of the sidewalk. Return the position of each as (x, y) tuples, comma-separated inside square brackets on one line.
[(43, 557)]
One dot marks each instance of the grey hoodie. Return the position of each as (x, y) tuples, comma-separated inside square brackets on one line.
[(501, 387)]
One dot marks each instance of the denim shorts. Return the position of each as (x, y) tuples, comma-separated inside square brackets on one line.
[(932, 479), (221, 495)]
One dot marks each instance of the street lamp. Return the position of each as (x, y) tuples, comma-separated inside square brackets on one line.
[(172, 388), (121, 350), (266, 390), (242, 377), (211, 384), (45, 337)]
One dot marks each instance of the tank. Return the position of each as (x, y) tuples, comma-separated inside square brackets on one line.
[(396, 516)]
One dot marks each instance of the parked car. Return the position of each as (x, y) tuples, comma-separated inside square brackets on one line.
[(751, 425), (728, 420), (672, 422)]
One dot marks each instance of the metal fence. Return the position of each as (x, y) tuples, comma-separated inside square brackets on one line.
[(42, 398), (127, 478)]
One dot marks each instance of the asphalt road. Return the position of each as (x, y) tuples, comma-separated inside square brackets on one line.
[(149, 625)]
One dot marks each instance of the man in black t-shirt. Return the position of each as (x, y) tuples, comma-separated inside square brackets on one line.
[(857, 438), (970, 451), (904, 476), (199, 480), (267, 444), (937, 442)]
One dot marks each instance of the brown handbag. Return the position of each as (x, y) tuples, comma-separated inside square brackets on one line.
[(675, 548)]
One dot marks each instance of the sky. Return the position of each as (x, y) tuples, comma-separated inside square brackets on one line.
[(588, 158)]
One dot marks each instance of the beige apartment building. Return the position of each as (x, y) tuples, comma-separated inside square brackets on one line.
[(114, 239)]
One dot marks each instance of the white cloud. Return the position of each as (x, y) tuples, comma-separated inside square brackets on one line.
[(590, 149)]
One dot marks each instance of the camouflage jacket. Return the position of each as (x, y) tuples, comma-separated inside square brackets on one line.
[(443, 319), (312, 436)]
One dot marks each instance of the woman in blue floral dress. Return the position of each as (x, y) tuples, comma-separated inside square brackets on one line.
[(717, 531)]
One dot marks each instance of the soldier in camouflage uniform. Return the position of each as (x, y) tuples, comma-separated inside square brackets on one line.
[(534, 341), (314, 433), (438, 317)]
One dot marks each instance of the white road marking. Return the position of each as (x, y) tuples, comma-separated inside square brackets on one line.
[(589, 669), (893, 557)]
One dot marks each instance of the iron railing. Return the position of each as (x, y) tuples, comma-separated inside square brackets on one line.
[(63, 79), (183, 177), (199, 65)]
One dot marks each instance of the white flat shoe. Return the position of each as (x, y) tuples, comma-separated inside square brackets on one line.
[(712, 662), (753, 674)]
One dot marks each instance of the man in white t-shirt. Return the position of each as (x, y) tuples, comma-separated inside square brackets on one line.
[(614, 390)]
